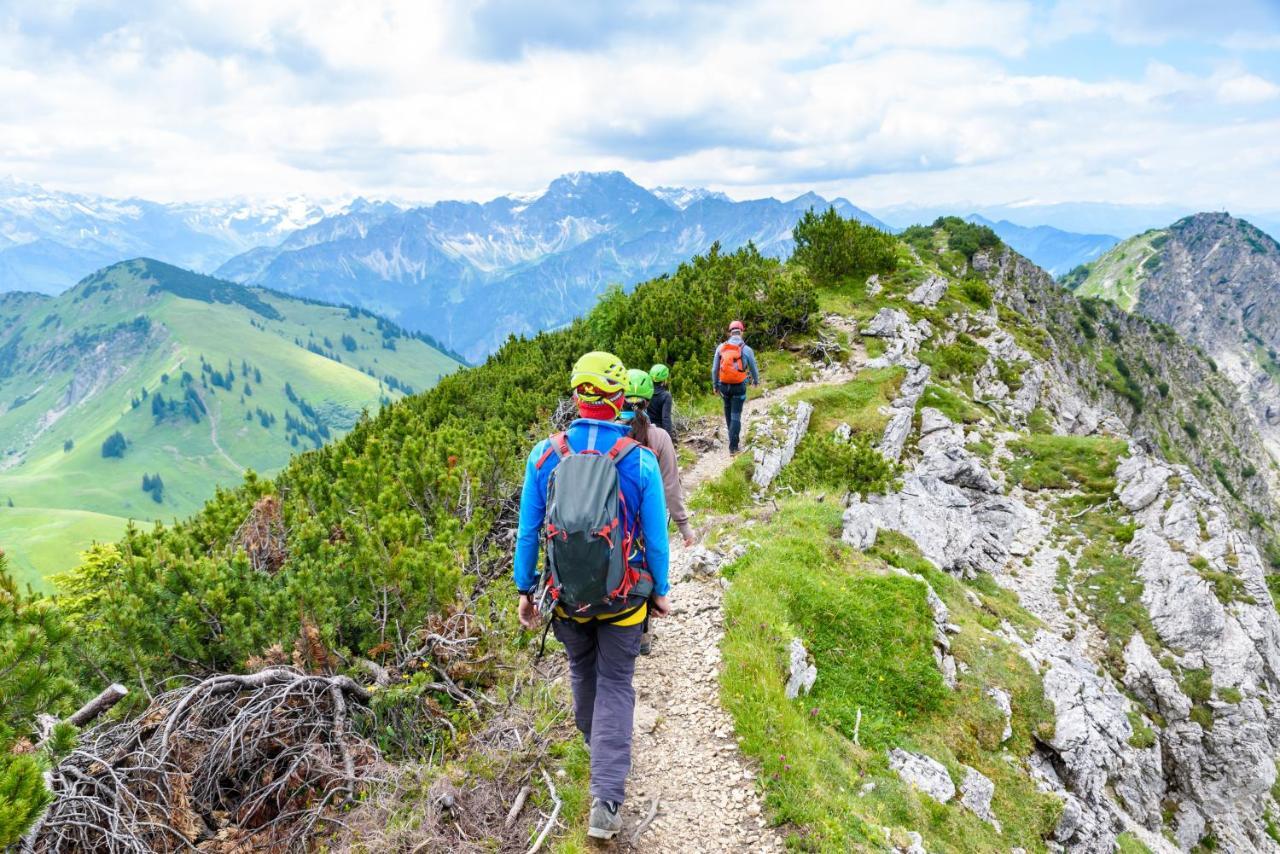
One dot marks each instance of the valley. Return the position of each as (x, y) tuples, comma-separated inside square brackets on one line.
[(203, 381)]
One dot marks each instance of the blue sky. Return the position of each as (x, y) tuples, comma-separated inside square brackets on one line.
[(927, 102)]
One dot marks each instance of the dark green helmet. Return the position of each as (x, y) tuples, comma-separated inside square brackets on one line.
[(660, 373)]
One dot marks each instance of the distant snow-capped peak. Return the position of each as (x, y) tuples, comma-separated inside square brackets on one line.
[(681, 197)]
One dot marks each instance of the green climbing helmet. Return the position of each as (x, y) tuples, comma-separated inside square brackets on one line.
[(660, 373), (639, 384)]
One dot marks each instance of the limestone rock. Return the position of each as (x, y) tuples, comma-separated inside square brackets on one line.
[(873, 284), (1003, 702), (860, 525), (1154, 685), (769, 461), (646, 718), (1144, 486), (886, 323), (953, 509), (705, 561), (902, 412), (975, 794), (803, 671), (930, 291), (925, 773)]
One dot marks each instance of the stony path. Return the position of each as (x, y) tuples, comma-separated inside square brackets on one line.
[(685, 753)]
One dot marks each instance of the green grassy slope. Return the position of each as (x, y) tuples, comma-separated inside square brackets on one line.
[(1117, 276), (273, 375)]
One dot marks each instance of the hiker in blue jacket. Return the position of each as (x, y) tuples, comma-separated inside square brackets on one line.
[(732, 368), (602, 646)]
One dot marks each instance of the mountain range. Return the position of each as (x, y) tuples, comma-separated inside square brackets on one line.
[(1052, 249), (49, 240), (472, 274), (143, 388)]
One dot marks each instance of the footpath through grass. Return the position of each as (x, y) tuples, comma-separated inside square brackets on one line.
[(870, 632)]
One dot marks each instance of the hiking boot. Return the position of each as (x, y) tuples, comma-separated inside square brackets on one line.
[(646, 643), (606, 820)]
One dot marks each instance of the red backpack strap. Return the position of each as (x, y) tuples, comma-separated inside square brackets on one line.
[(557, 444), (622, 447)]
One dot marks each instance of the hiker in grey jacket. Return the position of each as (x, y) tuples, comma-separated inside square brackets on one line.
[(733, 367), (640, 391)]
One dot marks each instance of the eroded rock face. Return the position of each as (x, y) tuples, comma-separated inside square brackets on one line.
[(902, 411), (976, 792), (952, 507), (930, 291), (770, 459), (1004, 703), (902, 337), (1092, 733), (1205, 591), (924, 772)]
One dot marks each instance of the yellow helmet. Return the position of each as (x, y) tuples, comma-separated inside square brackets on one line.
[(602, 371)]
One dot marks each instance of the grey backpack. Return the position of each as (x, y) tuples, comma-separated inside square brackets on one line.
[(590, 532)]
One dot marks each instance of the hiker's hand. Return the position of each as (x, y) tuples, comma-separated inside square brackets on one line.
[(689, 540), (528, 612), (661, 606)]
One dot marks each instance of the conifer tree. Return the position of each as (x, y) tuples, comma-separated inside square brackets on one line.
[(32, 639)]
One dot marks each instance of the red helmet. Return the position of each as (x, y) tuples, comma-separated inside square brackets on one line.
[(736, 326)]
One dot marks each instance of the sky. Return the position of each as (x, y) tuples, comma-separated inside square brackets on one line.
[(927, 102)]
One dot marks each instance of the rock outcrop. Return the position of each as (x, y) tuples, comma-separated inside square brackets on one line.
[(923, 772), (950, 505), (803, 671), (773, 455)]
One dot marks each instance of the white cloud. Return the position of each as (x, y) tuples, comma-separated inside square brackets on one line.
[(1246, 89), (910, 101)]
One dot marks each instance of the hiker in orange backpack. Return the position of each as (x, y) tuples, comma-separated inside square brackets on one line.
[(733, 367)]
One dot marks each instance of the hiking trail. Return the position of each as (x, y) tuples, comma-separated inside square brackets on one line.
[(685, 753)]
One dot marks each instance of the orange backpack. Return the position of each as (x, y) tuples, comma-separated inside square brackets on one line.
[(733, 369)]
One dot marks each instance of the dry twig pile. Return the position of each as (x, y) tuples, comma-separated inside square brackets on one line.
[(227, 764)]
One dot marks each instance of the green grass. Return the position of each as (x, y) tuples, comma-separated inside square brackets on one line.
[(780, 368), (958, 361), (729, 493), (1088, 463), (269, 331), (1127, 843), (1118, 275), (870, 632), (855, 466), (856, 403), (1143, 735), (1108, 585), (40, 542), (950, 403)]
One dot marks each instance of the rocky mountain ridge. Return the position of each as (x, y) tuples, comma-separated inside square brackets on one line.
[(1214, 279), (1163, 665)]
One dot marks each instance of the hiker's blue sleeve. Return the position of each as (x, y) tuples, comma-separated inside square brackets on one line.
[(653, 522), (750, 359), (715, 369), (533, 508)]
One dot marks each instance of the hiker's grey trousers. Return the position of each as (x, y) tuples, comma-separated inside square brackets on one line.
[(602, 661)]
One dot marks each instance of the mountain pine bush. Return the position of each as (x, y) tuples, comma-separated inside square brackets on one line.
[(398, 519), (831, 247), (33, 679)]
